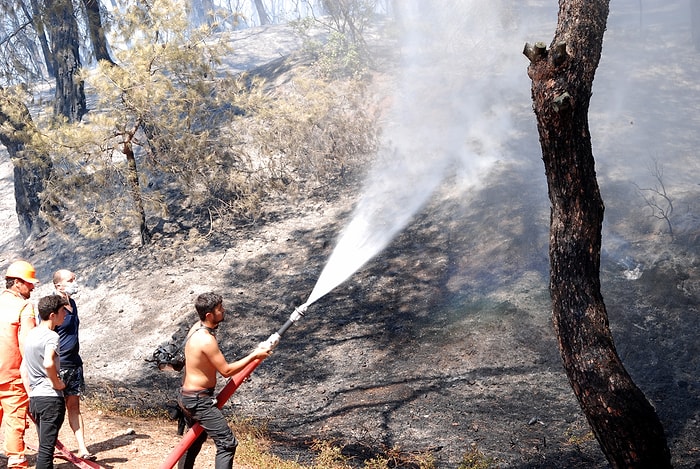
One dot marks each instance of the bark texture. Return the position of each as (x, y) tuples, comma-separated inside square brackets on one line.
[(622, 419), (31, 169), (132, 177), (65, 42), (96, 31)]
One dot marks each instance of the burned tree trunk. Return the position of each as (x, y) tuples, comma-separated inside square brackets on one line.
[(36, 15), (132, 176), (65, 41), (622, 419), (96, 30), (31, 168)]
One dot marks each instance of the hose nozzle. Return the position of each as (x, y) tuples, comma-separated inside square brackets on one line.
[(271, 341), (294, 317), (298, 312)]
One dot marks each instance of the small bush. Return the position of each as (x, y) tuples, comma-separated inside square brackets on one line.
[(330, 455), (475, 459)]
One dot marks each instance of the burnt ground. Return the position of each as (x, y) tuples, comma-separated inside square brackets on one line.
[(444, 340)]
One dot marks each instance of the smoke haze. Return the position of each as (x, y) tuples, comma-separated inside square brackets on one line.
[(450, 115), (463, 104)]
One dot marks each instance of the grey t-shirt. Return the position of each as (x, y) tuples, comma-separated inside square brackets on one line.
[(41, 342)]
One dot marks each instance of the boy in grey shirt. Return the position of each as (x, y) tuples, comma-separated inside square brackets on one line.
[(40, 372)]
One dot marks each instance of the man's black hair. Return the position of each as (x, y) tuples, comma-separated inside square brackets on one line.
[(50, 304), (207, 303)]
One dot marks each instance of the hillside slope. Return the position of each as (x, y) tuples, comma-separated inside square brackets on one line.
[(443, 341)]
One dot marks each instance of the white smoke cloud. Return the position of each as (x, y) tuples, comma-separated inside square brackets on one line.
[(451, 112)]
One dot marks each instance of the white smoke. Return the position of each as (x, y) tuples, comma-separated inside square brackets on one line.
[(451, 112)]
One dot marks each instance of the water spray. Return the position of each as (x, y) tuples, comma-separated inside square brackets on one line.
[(429, 138)]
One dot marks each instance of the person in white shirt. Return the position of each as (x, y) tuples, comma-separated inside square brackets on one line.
[(40, 373)]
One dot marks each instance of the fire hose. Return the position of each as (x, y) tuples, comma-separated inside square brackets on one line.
[(231, 386)]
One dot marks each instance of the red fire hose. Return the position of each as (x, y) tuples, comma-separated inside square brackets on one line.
[(228, 390)]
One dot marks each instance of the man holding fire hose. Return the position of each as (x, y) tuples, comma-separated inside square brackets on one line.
[(203, 359)]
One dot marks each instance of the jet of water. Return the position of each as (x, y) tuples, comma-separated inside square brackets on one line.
[(393, 194), (450, 112)]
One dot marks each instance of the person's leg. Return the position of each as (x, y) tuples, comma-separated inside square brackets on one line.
[(49, 413), (3, 409), (189, 409), (44, 458), (213, 421), (75, 385), (15, 403), (75, 420)]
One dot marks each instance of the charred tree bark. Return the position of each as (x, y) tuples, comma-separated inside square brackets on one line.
[(65, 41), (135, 190), (31, 169), (622, 419), (96, 31)]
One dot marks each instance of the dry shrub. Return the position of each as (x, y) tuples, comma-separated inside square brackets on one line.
[(207, 144)]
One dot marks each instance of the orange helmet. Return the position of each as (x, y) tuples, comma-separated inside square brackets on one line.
[(22, 270)]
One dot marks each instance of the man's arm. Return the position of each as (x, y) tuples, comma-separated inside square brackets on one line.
[(225, 369), (52, 371), (27, 322)]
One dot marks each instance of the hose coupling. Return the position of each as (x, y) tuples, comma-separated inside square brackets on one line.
[(298, 312)]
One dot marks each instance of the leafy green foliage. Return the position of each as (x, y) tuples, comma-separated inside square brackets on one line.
[(334, 58)]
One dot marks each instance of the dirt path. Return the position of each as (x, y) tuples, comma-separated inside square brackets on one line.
[(123, 442)]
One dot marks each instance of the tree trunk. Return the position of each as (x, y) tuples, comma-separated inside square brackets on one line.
[(97, 33), (41, 35), (132, 177), (262, 14), (65, 42), (695, 22), (31, 169), (623, 421)]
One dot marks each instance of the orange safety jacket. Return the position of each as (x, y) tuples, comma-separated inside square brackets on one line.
[(13, 308)]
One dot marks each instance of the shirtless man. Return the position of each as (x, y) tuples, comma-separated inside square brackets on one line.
[(203, 359)]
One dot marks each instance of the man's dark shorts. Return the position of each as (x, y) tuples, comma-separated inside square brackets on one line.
[(75, 382)]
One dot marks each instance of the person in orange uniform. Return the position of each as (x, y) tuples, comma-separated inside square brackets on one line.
[(17, 318)]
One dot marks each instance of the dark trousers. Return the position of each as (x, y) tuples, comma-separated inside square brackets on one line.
[(202, 409), (48, 414)]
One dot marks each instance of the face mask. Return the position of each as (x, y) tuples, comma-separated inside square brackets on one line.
[(71, 288)]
